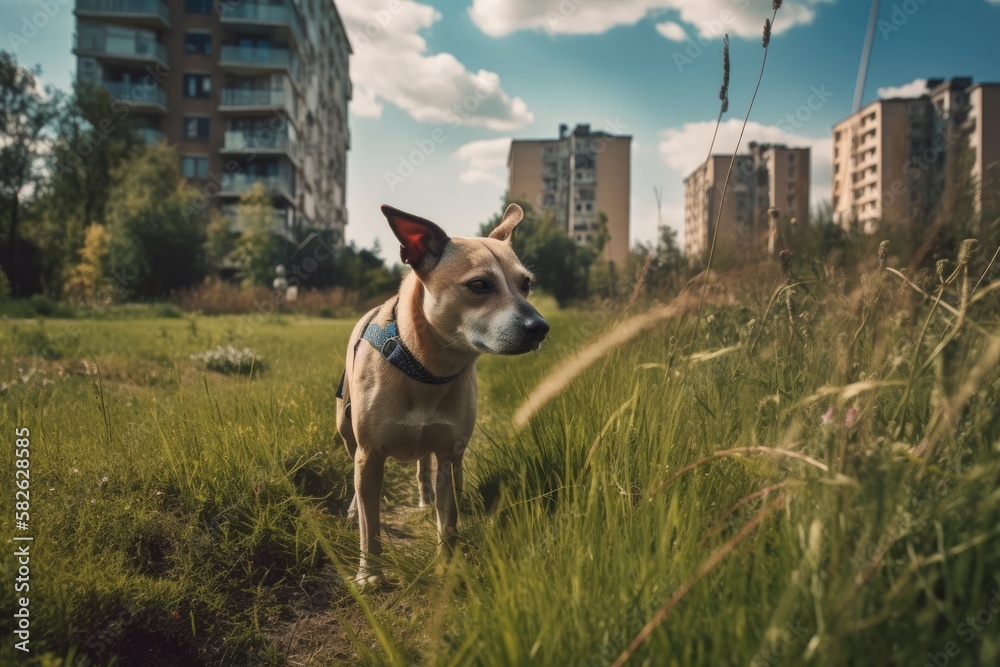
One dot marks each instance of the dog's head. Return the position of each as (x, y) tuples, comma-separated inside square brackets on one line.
[(475, 289)]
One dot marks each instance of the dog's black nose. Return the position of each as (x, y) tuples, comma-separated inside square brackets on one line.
[(536, 328)]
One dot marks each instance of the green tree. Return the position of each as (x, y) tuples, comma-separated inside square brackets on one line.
[(258, 249), (559, 264), (26, 112), (89, 279), (92, 138), (219, 243), (156, 244)]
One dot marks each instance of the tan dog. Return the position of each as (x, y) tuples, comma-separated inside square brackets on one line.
[(409, 389)]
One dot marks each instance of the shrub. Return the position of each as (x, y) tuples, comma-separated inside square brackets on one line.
[(232, 361)]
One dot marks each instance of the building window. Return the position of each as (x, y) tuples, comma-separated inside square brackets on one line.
[(791, 171), (198, 6), (197, 85), (585, 193), (588, 206), (548, 200), (194, 167), (195, 127), (198, 43)]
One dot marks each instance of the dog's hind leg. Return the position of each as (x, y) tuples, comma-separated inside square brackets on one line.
[(369, 471), (449, 492), (425, 481)]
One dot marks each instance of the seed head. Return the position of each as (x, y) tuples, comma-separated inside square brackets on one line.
[(883, 248), (785, 257), (965, 251), (775, 5), (767, 32), (942, 268), (724, 91), (774, 213)]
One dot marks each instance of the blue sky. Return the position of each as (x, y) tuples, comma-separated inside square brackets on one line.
[(649, 68)]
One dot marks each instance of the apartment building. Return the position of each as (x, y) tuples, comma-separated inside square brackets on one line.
[(575, 177), (896, 159), (770, 176), (246, 91)]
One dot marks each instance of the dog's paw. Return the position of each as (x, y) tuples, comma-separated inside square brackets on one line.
[(369, 581)]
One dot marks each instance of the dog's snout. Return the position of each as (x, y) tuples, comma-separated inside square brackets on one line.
[(536, 327)]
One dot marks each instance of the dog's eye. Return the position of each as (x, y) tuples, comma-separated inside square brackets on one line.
[(526, 285), (479, 286)]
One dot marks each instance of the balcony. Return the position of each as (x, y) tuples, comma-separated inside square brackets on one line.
[(148, 135), (152, 13), (238, 141), (281, 16), (282, 221), (257, 99), (276, 185), (141, 96), (119, 45), (257, 58)]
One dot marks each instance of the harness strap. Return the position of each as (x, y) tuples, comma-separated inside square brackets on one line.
[(390, 345)]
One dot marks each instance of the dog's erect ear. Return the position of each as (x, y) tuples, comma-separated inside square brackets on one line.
[(421, 241), (505, 230)]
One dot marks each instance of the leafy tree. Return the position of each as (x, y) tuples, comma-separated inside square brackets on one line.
[(258, 249), (559, 264), (92, 139), (219, 243), (89, 279), (156, 244), (26, 111)]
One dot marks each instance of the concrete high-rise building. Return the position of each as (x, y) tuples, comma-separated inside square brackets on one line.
[(575, 177), (246, 91), (896, 159), (771, 176)]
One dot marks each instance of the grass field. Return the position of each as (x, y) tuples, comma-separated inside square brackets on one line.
[(810, 477)]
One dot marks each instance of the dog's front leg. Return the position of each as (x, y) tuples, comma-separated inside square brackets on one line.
[(369, 471), (449, 492), (424, 481)]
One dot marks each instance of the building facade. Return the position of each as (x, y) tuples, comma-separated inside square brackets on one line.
[(246, 91), (772, 176), (900, 158), (575, 177)]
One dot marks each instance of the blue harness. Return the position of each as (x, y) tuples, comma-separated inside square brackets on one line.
[(388, 342)]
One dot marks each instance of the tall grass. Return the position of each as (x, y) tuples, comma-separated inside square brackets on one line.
[(812, 499), (815, 482)]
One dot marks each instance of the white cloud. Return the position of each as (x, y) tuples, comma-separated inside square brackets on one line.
[(915, 88), (672, 31), (391, 64), (485, 161), (744, 18), (686, 147)]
